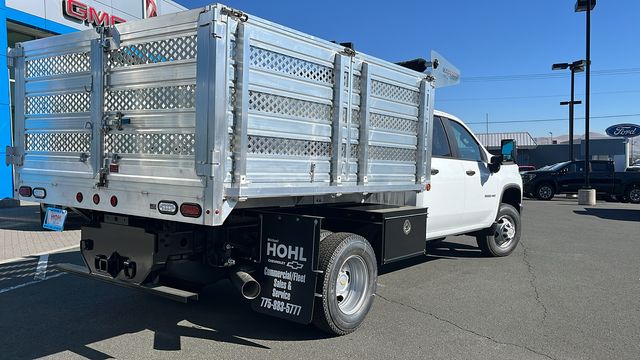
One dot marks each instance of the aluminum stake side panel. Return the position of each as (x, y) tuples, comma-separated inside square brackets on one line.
[(212, 107), (299, 108)]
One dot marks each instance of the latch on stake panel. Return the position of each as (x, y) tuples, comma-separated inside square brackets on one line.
[(12, 156)]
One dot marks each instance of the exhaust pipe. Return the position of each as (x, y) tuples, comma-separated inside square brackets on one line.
[(248, 286)]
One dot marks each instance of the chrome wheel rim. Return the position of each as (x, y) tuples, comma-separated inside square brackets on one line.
[(351, 284), (505, 232)]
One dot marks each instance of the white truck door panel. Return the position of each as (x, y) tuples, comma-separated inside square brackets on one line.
[(444, 199), (481, 193)]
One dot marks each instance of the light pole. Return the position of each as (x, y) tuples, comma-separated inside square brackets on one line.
[(576, 66), (550, 137), (587, 5)]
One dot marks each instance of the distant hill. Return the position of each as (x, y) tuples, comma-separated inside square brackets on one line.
[(543, 140)]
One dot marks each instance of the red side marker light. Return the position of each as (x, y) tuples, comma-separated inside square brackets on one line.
[(114, 201), (96, 199)]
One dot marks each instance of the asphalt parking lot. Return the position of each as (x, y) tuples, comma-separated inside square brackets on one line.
[(571, 290)]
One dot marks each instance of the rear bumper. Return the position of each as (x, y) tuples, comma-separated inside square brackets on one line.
[(160, 290)]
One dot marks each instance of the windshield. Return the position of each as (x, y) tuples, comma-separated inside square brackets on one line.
[(555, 167)]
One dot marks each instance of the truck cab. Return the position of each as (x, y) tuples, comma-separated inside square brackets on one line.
[(461, 173)]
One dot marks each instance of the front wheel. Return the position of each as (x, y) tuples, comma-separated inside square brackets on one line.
[(545, 192), (347, 283), (633, 195), (505, 233)]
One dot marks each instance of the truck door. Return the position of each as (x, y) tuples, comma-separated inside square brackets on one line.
[(446, 196), (601, 176), (570, 178), (479, 185)]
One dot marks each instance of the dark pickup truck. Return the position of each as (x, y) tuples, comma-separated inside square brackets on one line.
[(568, 177)]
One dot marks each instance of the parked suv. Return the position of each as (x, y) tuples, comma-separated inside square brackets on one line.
[(568, 177)]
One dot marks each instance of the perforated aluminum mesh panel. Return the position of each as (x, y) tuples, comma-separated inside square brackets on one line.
[(150, 143), (282, 105), (354, 151), (288, 147), (160, 98), (355, 81), (271, 60), (355, 117), (393, 123), (58, 142), (160, 51), (391, 154), (58, 104), (394, 92), (57, 65)]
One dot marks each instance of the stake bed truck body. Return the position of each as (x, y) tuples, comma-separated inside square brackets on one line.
[(210, 144)]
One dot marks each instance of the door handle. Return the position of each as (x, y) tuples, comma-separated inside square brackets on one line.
[(471, 172), (434, 171)]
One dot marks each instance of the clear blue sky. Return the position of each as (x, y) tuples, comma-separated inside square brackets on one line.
[(488, 39)]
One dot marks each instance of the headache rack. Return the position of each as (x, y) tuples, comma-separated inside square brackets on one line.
[(213, 107)]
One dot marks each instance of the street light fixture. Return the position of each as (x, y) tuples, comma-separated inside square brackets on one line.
[(587, 6), (576, 66)]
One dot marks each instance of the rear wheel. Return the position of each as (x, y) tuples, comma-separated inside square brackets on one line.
[(633, 194), (505, 234), (545, 191), (347, 283)]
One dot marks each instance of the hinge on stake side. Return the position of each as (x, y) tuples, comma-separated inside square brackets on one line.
[(117, 122), (109, 36), (349, 51), (12, 157), (234, 13), (102, 179)]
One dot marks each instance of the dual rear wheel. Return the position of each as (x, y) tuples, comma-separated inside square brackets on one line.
[(347, 283)]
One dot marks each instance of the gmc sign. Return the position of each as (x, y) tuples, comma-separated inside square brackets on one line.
[(88, 14)]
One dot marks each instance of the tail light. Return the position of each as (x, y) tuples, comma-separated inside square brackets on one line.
[(79, 197), (167, 207), (96, 199), (190, 210), (39, 193), (25, 191), (114, 201)]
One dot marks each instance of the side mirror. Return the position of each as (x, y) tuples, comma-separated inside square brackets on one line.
[(508, 150), (496, 162)]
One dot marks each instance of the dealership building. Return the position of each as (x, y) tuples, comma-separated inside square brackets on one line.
[(24, 20)]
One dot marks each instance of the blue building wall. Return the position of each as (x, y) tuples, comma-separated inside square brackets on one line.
[(6, 178)]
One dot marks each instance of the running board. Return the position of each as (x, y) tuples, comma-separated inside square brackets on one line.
[(160, 290)]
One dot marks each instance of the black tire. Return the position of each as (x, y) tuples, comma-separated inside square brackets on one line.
[(324, 234), (545, 191), (633, 194), (505, 234), (340, 316)]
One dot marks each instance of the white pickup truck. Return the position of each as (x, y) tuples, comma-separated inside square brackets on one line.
[(212, 144)]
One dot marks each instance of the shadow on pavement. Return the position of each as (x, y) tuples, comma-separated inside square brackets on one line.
[(68, 313), (612, 214), (436, 250)]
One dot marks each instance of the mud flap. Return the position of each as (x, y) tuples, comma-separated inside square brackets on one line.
[(288, 267)]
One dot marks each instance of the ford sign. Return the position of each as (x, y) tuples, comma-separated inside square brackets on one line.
[(623, 130)]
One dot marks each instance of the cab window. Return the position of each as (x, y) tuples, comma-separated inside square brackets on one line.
[(468, 147), (441, 146)]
